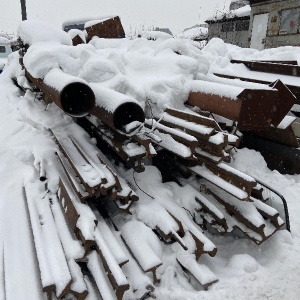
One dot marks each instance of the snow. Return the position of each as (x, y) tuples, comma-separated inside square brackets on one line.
[(214, 88), (286, 121), (142, 70), (243, 11), (147, 251), (74, 32), (95, 21), (215, 179), (110, 100), (240, 12), (85, 19), (194, 33), (97, 269), (32, 31), (4, 40), (154, 35)]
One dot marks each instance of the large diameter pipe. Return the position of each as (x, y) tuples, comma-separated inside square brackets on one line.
[(115, 109), (69, 93)]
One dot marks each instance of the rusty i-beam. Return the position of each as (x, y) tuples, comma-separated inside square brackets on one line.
[(253, 109), (270, 67)]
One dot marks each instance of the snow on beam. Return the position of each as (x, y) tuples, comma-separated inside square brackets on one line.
[(207, 174), (54, 270), (115, 274), (199, 271), (80, 217), (129, 150), (110, 238), (252, 108), (89, 176), (197, 130), (78, 287), (98, 272), (140, 284), (284, 133), (144, 245)]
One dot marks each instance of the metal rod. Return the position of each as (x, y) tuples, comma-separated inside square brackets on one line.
[(285, 206)]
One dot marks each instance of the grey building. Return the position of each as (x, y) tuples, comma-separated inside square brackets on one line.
[(274, 23), (232, 27)]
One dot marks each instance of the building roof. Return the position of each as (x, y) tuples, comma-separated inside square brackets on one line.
[(238, 14)]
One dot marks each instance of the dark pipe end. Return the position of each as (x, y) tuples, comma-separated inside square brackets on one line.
[(127, 113), (43, 178), (77, 99)]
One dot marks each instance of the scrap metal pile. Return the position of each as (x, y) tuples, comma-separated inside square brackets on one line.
[(102, 234)]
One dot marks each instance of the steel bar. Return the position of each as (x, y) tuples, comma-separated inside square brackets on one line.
[(270, 67), (293, 88), (286, 211), (285, 62), (115, 141)]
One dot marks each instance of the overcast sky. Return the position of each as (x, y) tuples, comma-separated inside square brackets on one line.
[(174, 14)]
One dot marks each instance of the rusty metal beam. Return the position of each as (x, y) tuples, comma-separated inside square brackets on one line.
[(280, 157), (285, 101), (285, 62), (115, 141), (109, 29), (293, 88), (253, 109), (270, 67), (77, 40)]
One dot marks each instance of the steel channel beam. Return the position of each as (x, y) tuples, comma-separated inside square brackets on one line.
[(253, 109), (268, 67)]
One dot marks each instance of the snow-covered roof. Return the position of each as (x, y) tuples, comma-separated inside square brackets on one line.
[(238, 13), (154, 35), (194, 33), (4, 40)]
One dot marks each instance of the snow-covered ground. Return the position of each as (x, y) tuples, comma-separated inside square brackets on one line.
[(144, 70)]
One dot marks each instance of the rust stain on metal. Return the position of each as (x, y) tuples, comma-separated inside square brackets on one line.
[(257, 109), (77, 40), (109, 29)]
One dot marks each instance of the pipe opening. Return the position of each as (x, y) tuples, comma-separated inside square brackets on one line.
[(127, 113), (77, 99)]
